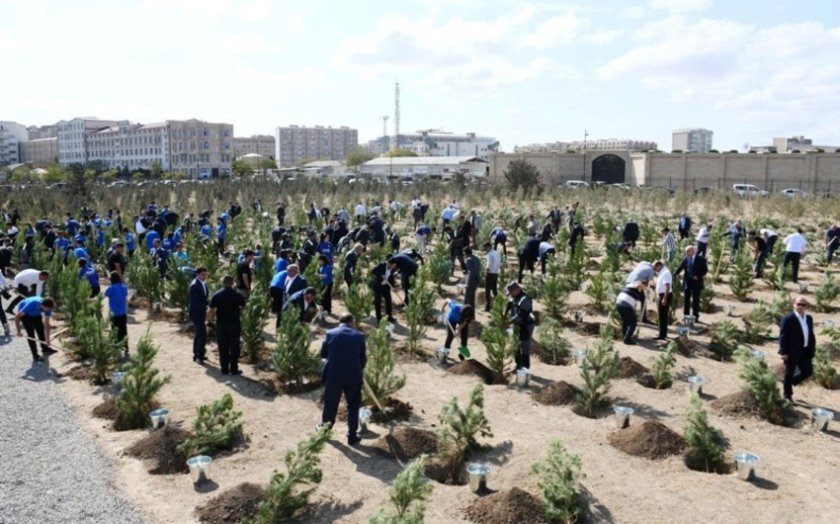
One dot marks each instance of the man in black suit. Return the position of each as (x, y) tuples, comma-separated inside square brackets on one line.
[(796, 345), (473, 277), (695, 268), (294, 280), (380, 277), (528, 254), (305, 302), (350, 262), (197, 309), (344, 349), (631, 232), (407, 268), (226, 306)]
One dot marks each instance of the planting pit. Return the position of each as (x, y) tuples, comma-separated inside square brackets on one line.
[(689, 347), (474, 367), (160, 447), (395, 410), (589, 329), (740, 404), (406, 443), (238, 504), (506, 507), (107, 410), (651, 439), (629, 368), (79, 372), (557, 394), (546, 357)]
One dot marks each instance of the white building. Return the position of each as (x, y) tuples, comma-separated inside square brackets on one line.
[(12, 135), (130, 146), (695, 140), (294, 144), (434, 142), (428, 166), (73, 135)]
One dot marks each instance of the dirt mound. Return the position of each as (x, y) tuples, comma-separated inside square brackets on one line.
[(78, 373), (647, 380), (161, 447), (547, 357), (650, 439), (506, 507), (406, 443), (687, 346), (557, 394), (237, 504), (107, 410), (474, 367), (629, 368), (741, 404), (588, 328)]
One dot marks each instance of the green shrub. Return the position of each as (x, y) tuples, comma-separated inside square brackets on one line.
[(379, 370), (559, 490), (757, 324), (178, 292), (824, 371), (439, 266), (464, 427), (140, 386), (704, 442), (662, 366), (216, 427), (359, 299), (144, 276), (725, 338), (741, 280), (760, 381), (101, 345), (555, 348), (292, 359), (826, 292), (599, 367), (253, 318), (421, 301), (407, 496)]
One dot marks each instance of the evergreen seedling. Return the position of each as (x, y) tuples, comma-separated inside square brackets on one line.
[(253, 318), (100, 344), (555, 291), (359, 299), (407, 496), (463, 427), (760, 381), (178, 292), (600, 366), (757, 324), (559, 490), (826, 292), (216, 427), (724, 339), (704, 442), (741, 280), (824, 371), (421, 301), (555, 347), (140, 386), (379, 370), (292, 359), (501, 346), (662, 366), (439, 266), (144, 276)]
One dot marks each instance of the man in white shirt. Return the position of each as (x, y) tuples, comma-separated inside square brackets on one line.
[(28, 283), (361, 213), (795, 245), (770, 238), (664, 284), (491, 276), (703, 240)]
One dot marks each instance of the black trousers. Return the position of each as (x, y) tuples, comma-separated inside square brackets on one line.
[(628, 320), (491, 289), (691, 305), (120, 324), (450, 334), (523, 356), (806, 369), (683, 233), (22, 293), (469, 292), (382, 294), (405, 281), (34, 326), (326, 297), (759, 263), (792, 259), (662, 313), (503, 243), (200, 338), (544, 259), (525, 263), (332, 396), (227, 336), (701, 248)]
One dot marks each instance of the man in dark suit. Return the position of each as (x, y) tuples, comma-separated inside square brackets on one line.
[(197, 309), (305, 302), (350, 262), (294, 280), (695, 268), (528, 254), (473, 277), (407, 268), (796, 345), (380, 277), (226, 307), (344, 349)]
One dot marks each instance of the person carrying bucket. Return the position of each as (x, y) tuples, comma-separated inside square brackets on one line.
[(458, 324)]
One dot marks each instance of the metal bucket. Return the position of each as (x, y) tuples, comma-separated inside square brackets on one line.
[(364, 418), (579, 314), (746, 464), (820, 417), (523, 377), (441, 319), (683, 331), (688, 320), (199, 468), (757, 353), (160, 417), (442, 355), (580, 356), (117, 378), (695, 384), (478, 473), (827, 323), (622, 416)]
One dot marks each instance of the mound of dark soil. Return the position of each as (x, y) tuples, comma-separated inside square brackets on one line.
[(588, 328), (741, 404), (78, 373), (394, 410), (629, 368), (688, 347), (107, 410), (557, 394), (547, 357), (237, 504), (511, 506), (650, 439), (646, 380), (451, 471), (161, 447), (406, 443), (474, 367)]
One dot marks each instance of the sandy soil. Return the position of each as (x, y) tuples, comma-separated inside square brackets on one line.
[(797, 473)]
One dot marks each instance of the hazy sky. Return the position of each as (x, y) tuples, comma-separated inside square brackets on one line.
[(520, 71)]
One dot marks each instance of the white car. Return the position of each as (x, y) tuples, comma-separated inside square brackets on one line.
[(748, 190), (574, 184), (793, 192)]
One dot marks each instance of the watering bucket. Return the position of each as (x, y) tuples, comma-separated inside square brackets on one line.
[(820, 418), (160, 417), (695, 384), (580, 356), (688, 320), (523, 377), (364, 418), (682, 331), (199, 468), (622, 416), (746, 463), (579, 314), (478, 476), (827, 323), (757, 353), (442, 355), (117, 377)]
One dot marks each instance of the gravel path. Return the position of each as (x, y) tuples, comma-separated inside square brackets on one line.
[(50, 471)]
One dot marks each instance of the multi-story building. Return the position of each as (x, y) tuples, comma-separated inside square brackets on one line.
[(130, 146), (200, 149), (434, 142), (600, 144), (40, 151), (295, 143), (11, 136), (36, 132), (258, 144), (73, 135), (695, 140)]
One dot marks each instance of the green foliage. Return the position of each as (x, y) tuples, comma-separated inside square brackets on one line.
[(532, 285), (760, 381), (521, 174), (603, 287), (292, 359), (253, 318), (216, 427), (776, 278), (757, 324), (359, 299), (358, 157), (100, 343), (599, 367), (575, 267), (501, 347), (662, 366), (439, 266), (288, 493), (741, 280), (559, 476), (178, 292), (421, 301), (555, 347), (144, 276), (780, 306), (379, 370), (74, 294), (141, 384), (555, 291), (704, 442), (399, 151), (826, 292), (824, 371), (407, 495), (724, 339), (706, 297), (463, 427), (719, 260)]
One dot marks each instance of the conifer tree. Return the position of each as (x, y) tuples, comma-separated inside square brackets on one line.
[(407, 496), (178, 292), (140, 386), (555, 291), (464, 427), (292, 359), (826, 293), (100, 344), (144, 276), (550, 336), (216, 427), (439, 266), (501, 346), (359, 299), (724, 339), (760, 381), (600, 366), (379, 370), (559, 490), (741, 280), (421, 301), (253, 319), (662, 366), (824, 371), (704, 442)]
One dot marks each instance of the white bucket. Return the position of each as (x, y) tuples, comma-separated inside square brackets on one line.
[(364, 418), (442, 355), (117, 378), (695, 384), (757, 353), (820, 417), (579, 314), (727, 309), (523, 377), (478, 473), (199, 468), (159, 417), (827, 323), (683, 331), (746, 463), (688, 320), (580, 356), (622, 416)]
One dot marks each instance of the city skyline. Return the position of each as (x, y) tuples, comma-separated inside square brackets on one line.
[(524, 72)]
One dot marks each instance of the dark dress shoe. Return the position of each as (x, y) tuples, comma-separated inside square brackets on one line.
[(235, 371), (353, 440), (225, 372)]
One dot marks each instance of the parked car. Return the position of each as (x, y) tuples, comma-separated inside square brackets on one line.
[(703, 190), (574, 184), (793, 192), (748, 190)]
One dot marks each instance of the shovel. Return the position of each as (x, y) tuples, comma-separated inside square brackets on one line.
[(463, 351)]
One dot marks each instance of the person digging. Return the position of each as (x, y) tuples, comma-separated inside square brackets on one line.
[(35, 313), (458, 325)]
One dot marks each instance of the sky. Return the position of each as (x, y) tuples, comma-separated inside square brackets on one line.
[(521, 71)]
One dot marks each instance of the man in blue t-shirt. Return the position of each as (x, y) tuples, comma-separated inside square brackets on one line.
[(31, 312), (117, 294)]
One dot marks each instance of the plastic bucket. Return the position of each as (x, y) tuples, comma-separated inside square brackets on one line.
[(820, 417), (523, 377), (757, 353), (364, 418), (827, 323), (746, 464), (199, 468), (695, 384), (622, 416), (478, 473), (442, 355), (580, 356), (159, 417)]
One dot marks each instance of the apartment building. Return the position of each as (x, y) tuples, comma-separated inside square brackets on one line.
[(40, 151), (200, 149), (695, 140), (258, 144), (11, 136), (297, 143), (73, 135), (130, 146), (434, 142)]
